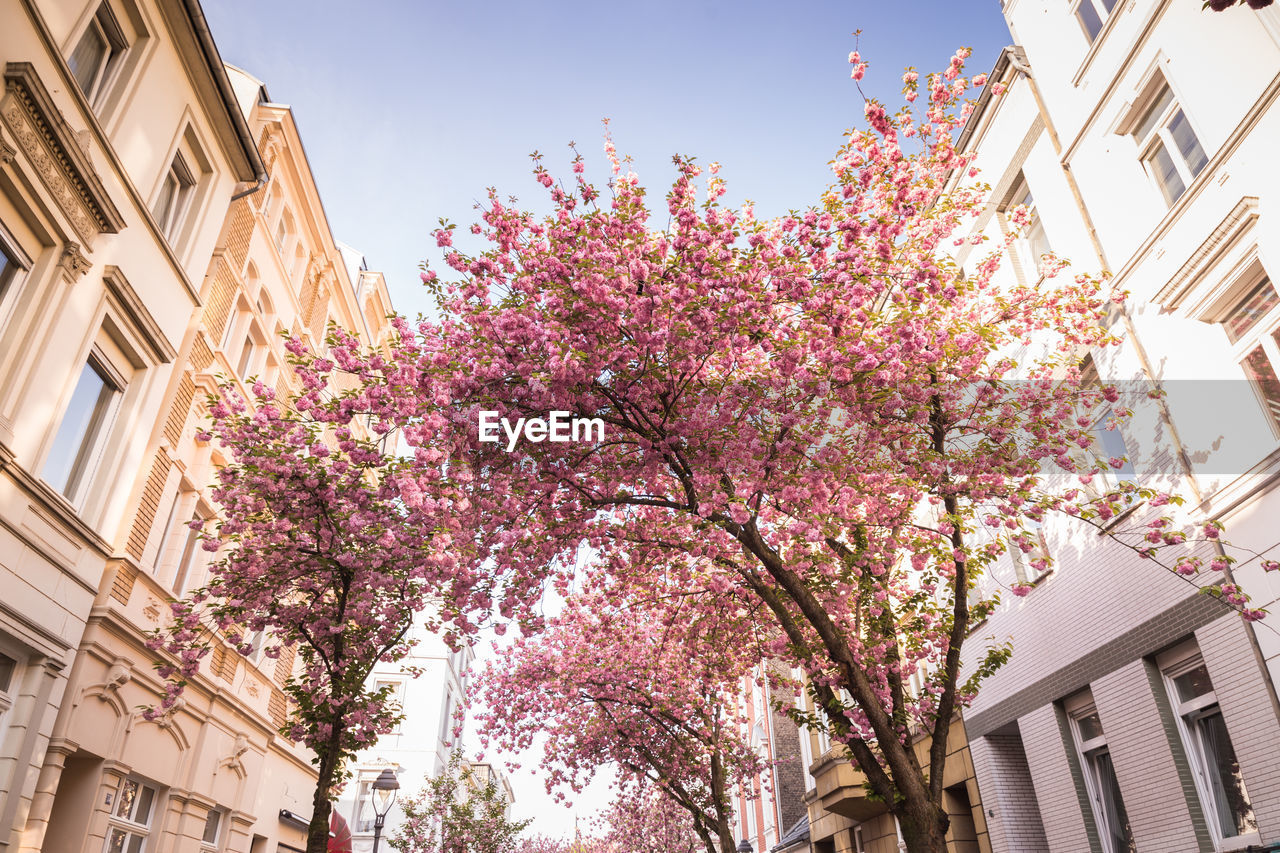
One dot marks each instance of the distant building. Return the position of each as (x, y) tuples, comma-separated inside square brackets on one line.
[(421, 746)]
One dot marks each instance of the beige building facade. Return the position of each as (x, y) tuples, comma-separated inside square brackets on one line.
[(146, 256)]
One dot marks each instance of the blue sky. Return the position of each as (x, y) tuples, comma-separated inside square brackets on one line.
[(410, 110)]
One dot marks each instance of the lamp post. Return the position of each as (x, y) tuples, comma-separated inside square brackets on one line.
[(382, 795), (744, 846)]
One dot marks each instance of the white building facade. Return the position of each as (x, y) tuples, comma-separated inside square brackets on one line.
[(1135, 712)]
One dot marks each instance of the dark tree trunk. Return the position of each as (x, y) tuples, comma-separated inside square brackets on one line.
[(318, 831), (924, 827)]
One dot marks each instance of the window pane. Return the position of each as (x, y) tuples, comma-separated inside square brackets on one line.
[(165, 203), (135, 843), (1165, 173), (1189, 146), (1090, 726), (211, 824), (1114, 818), (1259, 370), (7, 271), (246, 358), (1235, 815), (116, 843), (188, 557), (87, 59), (142, 812), (1192, 684), (1154, 112), (128, 793), (1252, 308), (77, 434), (7, 666), (1089, 19), (1109, 5)]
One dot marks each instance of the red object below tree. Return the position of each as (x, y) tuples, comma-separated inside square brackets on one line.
[(339, 834)]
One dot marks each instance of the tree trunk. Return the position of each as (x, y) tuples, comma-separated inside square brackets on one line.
[(924, 827), (318, 831)]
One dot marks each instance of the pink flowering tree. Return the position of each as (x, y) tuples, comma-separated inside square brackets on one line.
[(645, 685), (327, 545), (641, 819), (818, 413), (457, 813)]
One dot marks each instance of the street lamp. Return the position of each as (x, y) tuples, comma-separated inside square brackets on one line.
[(382, 795), (744, 846)]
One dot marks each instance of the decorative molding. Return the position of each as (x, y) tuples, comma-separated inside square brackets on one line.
[(1226, 235), (234, 761), (73, 262), (7, 152), (56, 152), (162, 350)]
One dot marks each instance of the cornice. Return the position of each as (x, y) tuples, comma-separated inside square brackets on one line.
[(54, 148)]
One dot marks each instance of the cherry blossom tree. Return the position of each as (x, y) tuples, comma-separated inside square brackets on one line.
[(457, 813), (645, 684), (328, 546), (641, 819), (820, 413)]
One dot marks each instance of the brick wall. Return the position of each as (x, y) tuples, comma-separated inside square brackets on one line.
[(1055, 787), (1013, 815)]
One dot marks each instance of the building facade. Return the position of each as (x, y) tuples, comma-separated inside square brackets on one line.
[(120, 148), (145, 258), (420, 747), (1136, 713)]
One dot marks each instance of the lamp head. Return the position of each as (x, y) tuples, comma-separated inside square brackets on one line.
[(383, 792)]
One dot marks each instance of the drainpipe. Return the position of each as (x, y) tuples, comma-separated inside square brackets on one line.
[(1018, 61)]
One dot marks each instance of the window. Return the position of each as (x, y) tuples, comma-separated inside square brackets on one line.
[(363, 817), (176, 190), (1092, 14), (1253, 328), (212, 829), (8, 270), (1099, 774), (255, 640), (1167, 145), (1108, 440), (8, 668), (395, 695), (130, 821), (1027, 565), (1033, 241), (97, 54), (1218, 779), (85, 423), (180, 545)]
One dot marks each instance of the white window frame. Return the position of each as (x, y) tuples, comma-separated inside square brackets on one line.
[(12, 672), (1023, 572), (1101, 12), (1263, 333), (17, 264), (179, 551), (219, 831), (1174, 663), (1078, 707), (183, 181), (1026, 249), (397, 695), (1159, 135), (127, 825), (364, 786), (89, 449), (105, 26)]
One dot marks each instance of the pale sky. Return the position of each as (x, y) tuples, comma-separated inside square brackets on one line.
[(410, 110)]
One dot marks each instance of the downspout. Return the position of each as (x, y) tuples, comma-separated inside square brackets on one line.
[(1017, 59)]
